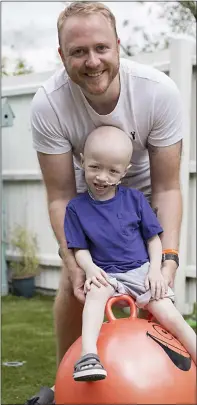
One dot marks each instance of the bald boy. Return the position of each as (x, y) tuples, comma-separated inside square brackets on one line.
[(115, 236)]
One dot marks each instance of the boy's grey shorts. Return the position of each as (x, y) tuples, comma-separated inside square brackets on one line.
[(133, 283)]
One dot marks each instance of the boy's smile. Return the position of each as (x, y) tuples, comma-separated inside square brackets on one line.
[(102, 177)]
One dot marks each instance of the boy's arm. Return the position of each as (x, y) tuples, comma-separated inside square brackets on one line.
[(154, 247), (84, 259), (94, 274), (154, 279)]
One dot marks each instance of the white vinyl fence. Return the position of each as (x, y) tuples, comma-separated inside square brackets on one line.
[(24, 198)]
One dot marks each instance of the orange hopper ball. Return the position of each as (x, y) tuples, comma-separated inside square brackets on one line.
[(144, 362)]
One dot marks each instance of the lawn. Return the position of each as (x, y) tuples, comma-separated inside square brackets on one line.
[(28, 335)]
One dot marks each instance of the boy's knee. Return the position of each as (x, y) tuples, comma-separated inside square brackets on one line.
[(99, 292)]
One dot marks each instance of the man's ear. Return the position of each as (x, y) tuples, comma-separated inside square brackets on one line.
[(82, 160), (61, 54)]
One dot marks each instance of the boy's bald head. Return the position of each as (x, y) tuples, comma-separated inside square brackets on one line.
[(109, 141)]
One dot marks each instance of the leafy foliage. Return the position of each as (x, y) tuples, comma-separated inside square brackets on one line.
[(179, 16), (20, 67), (25, 244)]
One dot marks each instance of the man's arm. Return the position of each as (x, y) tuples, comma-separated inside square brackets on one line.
[(166, 198), (59, 179)]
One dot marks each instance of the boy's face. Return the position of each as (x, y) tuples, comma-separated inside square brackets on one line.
[(103, 171)]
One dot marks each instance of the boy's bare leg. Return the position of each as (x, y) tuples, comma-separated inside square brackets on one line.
[(68, 316), (171, 319), (89, 367), (93, 315)]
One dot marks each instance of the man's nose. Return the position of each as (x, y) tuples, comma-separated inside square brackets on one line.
[(92, 60)]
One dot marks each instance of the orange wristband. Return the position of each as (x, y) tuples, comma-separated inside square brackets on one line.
[(173, 251)]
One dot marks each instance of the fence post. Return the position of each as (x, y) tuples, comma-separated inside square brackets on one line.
[(181, 51)]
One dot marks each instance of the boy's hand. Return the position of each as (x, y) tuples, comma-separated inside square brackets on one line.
[(95, 276), (156, 283)]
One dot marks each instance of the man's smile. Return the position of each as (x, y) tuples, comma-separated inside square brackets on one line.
[(95, 74)]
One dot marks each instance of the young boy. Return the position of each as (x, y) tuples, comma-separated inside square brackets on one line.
[(114, 233)]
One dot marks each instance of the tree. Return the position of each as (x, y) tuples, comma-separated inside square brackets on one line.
[(190, 6), (179, 16)]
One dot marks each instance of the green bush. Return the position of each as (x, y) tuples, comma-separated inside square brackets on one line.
[(25, 245), (192, 319)]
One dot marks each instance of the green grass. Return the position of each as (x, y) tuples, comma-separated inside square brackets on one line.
[(27, 335)]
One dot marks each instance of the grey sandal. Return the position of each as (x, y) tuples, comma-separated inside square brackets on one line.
[(89, 368)]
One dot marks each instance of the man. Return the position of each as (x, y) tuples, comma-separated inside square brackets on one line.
[(95, 88)]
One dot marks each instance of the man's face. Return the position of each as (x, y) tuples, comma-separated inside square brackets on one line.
[(90, 52)]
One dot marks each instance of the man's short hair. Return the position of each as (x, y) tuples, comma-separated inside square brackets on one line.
[(85, 8)]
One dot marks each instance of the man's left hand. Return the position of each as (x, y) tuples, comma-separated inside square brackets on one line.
[(168, 270)]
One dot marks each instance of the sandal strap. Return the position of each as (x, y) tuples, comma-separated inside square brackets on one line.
[(86, 357), (86, 360)]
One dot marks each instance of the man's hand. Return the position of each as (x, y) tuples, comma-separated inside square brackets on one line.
[(168, 270), (95, 275), (155, 281), (76, 274)]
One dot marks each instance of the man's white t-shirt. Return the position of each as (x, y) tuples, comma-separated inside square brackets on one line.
[(149, 110)]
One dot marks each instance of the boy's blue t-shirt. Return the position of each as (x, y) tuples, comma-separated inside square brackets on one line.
[(115, 231)]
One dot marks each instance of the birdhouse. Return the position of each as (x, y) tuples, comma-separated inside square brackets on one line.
[(7, 115)]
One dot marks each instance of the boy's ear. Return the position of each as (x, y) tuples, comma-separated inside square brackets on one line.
[(82, 159)]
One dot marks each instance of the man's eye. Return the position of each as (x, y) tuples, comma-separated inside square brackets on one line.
[(78, 52), (93, 167), (101, 48), (113, 171)]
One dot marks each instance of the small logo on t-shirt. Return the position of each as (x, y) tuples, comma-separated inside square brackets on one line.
[(133, 135)]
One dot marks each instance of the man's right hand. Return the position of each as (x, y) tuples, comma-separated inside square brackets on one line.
[(76, 275)]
